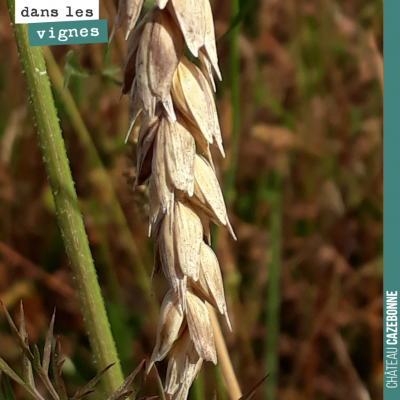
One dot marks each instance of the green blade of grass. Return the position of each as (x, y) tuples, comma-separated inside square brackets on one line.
[(229, 183), (7, 371), (274, 197), (5, 388)]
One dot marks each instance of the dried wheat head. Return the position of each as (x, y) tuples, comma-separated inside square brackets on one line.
[(179, 123)]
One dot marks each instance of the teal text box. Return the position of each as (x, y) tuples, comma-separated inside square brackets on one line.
[(68, 32), (391, 202)]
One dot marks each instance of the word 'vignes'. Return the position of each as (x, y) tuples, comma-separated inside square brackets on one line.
[(64, 34)]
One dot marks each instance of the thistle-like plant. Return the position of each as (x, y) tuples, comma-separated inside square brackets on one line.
[(33, 363)]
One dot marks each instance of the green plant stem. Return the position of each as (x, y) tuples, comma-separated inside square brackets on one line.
[(232, 277), (273, 287), (224, 361), (229, 186), (197, 390), (102, 181), (219, 380), (66, 201)]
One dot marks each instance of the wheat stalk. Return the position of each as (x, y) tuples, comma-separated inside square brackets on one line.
[(179, 124)]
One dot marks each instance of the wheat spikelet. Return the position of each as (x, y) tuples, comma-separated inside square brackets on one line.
[(176, 103)]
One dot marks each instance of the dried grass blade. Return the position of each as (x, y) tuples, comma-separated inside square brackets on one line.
[(117, 394), (57, 371), (88, 388), (10, 373), (17, 335), (36, 358), (252, 391), (48, 345), (159, 384), (27, 373), (5, 388)]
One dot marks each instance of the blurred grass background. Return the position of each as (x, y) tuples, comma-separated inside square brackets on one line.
[(303, 180)]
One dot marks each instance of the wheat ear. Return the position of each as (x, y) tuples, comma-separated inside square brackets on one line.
[(179, 123)]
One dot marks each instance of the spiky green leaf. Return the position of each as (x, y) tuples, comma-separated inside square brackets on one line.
[(5, 388), (47, 345), (121, 390), (252, 391), (88, 388)]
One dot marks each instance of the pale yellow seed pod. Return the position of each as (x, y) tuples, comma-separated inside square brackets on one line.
[(206, 68), (210, 285), (209, 40), (205, 221), (180, 151), (217, 130), (170, 326), (133, 8), (188, 236), (183, 366), (194, 130), (208, 194), (143, 91), (165, 50), (128, 12), (130, 59), (164, 247), (154, 52), (200, 328), (162, 182), (190, 16), (191, 373), (135, 108), (192, 95), (147, 134)]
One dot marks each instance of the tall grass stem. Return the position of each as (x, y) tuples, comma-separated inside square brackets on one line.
[(273, 286), (66, 201), (229, 184), (232, 385)]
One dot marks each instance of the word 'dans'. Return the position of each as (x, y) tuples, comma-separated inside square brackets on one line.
[(29, 11)]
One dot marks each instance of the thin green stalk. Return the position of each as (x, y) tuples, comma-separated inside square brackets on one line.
[(68, 214), (197, 390), (219, 380), (229, 185), (273, 287), (224, 361), (115, 305), (232, 277), (111, 206)]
